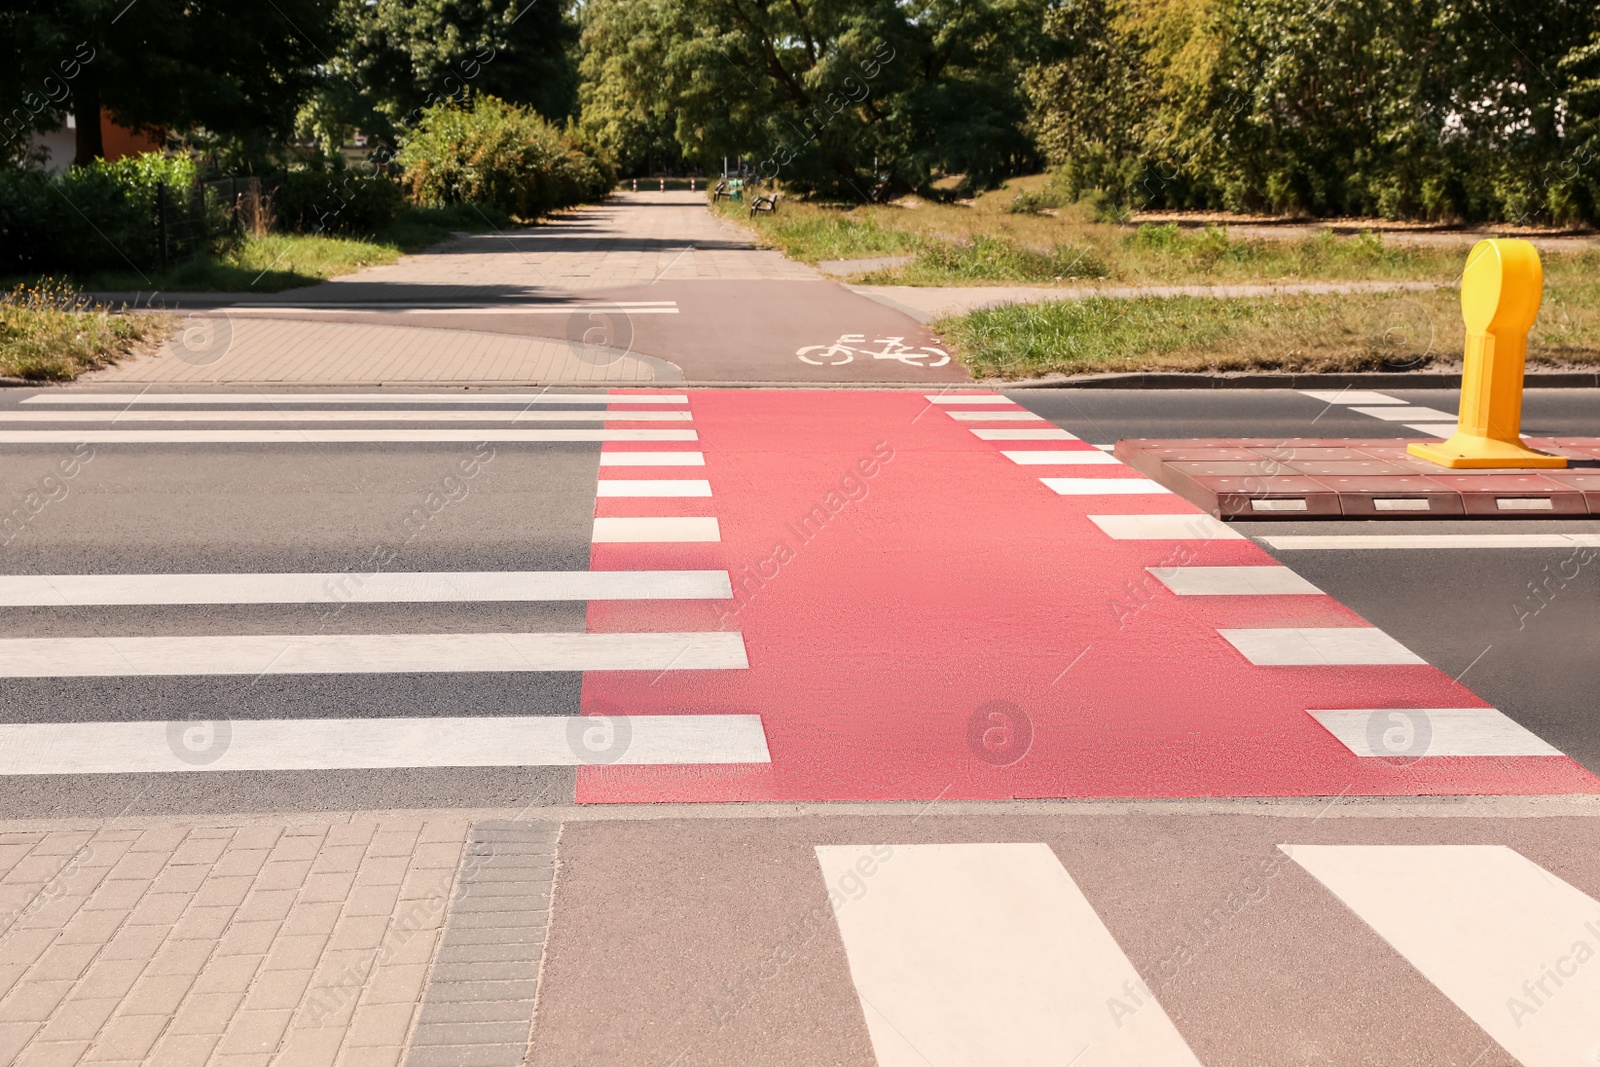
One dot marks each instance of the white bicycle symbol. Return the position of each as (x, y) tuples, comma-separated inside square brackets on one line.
[(844, 351)]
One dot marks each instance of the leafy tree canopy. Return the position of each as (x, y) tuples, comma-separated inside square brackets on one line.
[(234, 69), (816, 90), (399, 57), (1403, 108)]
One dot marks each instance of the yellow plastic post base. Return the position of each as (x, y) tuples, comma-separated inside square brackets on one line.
[(1471, 452)]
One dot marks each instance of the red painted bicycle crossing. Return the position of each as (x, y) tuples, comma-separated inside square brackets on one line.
[(949, 597)]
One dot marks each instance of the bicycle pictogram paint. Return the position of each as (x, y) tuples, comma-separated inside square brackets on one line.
[(845, 350)]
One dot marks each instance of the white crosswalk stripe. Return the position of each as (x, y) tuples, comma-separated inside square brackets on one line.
[(654, 487), (1104, 486), (1233, 581), (1041, 457), (1510, 943), (971, 954), (263, 654), (349, 744), (81, 590), (395, 435), (1165, 527), (462, 399), (305, 418), (652, 459), (994, 416), (1313, 646), (1351, 396), (629, 531), (1418, 732), (1407, 413), (1052, 434), (402, 416), (1430, 422)]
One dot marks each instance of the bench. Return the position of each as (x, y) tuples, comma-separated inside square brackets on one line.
[(764, 203)]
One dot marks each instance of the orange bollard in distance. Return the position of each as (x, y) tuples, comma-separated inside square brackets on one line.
[(1500, 292)]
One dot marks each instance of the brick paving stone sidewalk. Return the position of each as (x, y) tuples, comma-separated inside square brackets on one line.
[(283, 351), (252, 941)]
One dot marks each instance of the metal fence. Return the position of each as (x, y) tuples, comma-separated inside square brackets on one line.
[(205, 216)]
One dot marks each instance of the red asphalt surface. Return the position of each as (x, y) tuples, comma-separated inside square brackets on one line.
[(950, 578)]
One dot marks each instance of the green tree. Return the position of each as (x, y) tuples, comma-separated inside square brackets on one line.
[(500, 154), (624, 108), (234, 69), (1413, 108), (1095, 64), (398, 57), (817, 91)]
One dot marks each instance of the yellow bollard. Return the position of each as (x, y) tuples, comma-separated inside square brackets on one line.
[(1500, 291)]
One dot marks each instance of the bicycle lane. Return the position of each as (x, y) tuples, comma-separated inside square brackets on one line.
[(925, 617), (752, 330)]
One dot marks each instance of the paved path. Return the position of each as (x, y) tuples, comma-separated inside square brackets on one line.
[(217, 349), (645, 287)]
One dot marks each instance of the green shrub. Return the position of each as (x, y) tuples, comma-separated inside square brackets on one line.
[(100, 217), (1036, 201), (84, 219), (141, 174), (336, 201), (501, 155)]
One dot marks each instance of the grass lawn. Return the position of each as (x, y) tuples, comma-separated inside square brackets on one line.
[(48, 332), (985, 241), (1003, 237), (1362, 332), (276, 262)]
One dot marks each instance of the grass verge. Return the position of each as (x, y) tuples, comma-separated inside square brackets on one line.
[(1364, 332), (279, 261), (50, 333), (987, 240)]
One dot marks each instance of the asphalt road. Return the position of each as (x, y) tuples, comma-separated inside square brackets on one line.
[(1105, 416), (199, 508)]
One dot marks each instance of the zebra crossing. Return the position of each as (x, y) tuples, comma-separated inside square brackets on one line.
[(548, 738), (993, 953), (1034, 555), (1430, 422)]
